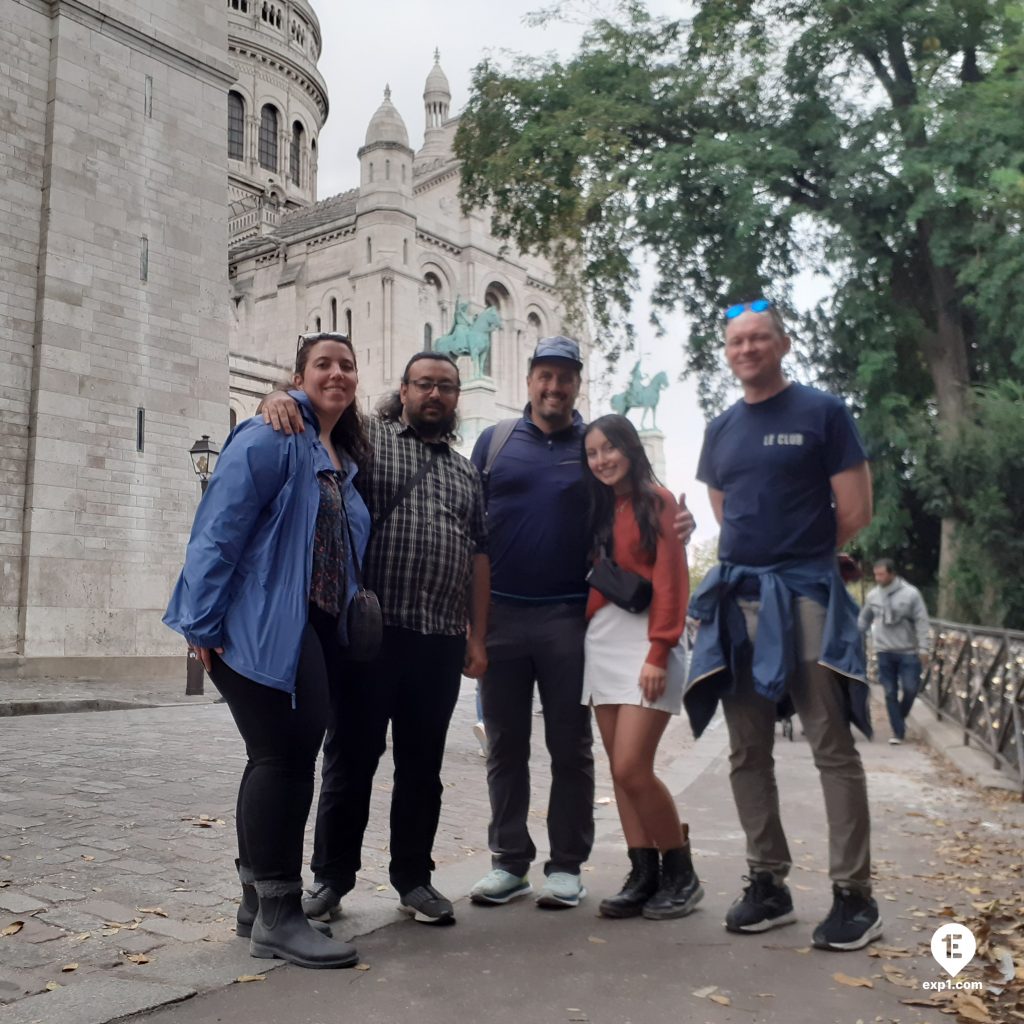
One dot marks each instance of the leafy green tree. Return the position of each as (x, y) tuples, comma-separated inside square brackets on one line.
[(877, 142)]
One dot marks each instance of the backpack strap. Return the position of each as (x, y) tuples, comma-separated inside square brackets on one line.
[(499, 438)]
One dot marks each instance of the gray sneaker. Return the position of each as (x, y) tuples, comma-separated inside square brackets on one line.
[(561, 889), (426, 904), (500, 886), (320, 902)]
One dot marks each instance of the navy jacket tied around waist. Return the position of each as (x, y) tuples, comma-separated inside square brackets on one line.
[(722, 644)]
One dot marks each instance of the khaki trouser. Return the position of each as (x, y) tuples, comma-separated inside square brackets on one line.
[(820, 698)]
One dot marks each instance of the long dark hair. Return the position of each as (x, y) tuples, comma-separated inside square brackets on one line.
[(647, 503), (349, 433)]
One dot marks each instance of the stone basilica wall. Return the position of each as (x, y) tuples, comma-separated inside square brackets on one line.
[(116, 191)]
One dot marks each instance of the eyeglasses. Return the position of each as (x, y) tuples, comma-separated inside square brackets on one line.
[(757, 306), (444, 388), (315, 336)]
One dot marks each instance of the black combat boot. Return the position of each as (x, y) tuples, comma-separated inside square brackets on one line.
[(640, 885), (679, 890), (281, 930)]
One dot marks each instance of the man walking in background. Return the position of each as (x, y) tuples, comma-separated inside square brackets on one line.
[(896, 614)]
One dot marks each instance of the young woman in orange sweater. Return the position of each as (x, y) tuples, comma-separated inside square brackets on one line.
[(634, 670)]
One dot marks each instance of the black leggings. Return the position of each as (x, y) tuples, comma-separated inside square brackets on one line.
[(282, 743)]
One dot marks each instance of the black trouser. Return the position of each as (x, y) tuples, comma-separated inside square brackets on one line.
[(542, 645), (413, 683), (281, 742)]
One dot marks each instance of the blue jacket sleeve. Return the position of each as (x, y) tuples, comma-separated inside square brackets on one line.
[(250, 473)]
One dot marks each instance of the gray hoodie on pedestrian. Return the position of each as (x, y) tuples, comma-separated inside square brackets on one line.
[(897, 617)]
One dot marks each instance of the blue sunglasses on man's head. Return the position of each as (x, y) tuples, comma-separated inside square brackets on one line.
[(757, 306)]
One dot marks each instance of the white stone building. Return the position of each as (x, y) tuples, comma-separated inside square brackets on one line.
[(162, 247), (113, 233), (385, 263)]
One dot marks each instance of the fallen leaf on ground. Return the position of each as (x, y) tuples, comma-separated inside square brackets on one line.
[(243, 978), (845, 979), (159, 911), (13, 928), (921, 1001), (765, 995), (52, 986), (88, 856), (137, 958), (892, 952), (703, 993), (362, 967), (82, 937), (68, 968), (721, 1000), (596, 940)]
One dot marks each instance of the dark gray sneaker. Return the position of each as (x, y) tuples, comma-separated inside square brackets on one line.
[(320, 902), (426, 904), (763, 905), (852, 922)]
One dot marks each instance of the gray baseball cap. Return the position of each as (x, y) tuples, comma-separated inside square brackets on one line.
[(558, 347)]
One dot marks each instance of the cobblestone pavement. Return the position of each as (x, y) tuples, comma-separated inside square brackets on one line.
[(117, 842)]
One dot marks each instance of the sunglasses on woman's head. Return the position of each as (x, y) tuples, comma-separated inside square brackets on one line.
[(315, 336), (756, 306)]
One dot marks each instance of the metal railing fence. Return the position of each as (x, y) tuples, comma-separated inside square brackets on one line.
[(975, 679)]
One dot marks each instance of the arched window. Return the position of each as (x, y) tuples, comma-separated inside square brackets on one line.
[(334, 314), (295, 156), (319, 327), (268, 138), (495, 295), (369, 250), (232, 419), (348, 324), (428, 337), (534, 328), (236, 126), (387, 170)]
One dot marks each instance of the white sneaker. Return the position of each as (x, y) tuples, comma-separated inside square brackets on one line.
[(481, 737), (895, 741), (561, 890), (500, 886)]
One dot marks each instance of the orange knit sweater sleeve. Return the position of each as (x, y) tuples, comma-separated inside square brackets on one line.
[(668, 574), (671, 580)]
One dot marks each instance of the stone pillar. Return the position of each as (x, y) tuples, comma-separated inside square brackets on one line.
[(477, 410), (654, 444)]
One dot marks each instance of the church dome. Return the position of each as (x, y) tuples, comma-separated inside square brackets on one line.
[(387, 125), (437, 81)]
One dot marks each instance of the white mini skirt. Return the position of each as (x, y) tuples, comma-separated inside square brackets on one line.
[(616, 647)]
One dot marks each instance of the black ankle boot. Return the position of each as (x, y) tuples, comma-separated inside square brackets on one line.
[(250, 905), (679, 890), (639, 886), (281, 930)]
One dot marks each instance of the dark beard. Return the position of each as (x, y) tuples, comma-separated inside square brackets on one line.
[(432, 430)]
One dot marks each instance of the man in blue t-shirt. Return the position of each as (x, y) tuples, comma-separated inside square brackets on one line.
[(789, 483)]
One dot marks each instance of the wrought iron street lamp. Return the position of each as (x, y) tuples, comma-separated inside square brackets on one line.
[(203, 454)]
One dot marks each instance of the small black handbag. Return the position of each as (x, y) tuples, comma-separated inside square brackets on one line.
[(627, 589), (364, 623)]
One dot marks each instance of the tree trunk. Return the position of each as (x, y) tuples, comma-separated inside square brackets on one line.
[(945, 352)]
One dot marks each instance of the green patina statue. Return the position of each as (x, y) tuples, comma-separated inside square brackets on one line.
[(639, 395), (470, 337)]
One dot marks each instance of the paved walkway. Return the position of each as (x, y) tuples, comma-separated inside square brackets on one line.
[(116, 841)]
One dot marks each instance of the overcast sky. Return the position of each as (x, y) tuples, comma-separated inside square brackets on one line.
[(368, 46)]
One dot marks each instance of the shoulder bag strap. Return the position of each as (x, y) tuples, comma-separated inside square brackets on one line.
[(407, 489), (499, 438)]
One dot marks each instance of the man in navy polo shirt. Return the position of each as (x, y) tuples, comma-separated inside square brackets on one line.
[(789, 483), (535, 515)]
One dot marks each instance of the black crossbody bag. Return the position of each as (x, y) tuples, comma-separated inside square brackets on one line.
[(626, 589), (364, 621)]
